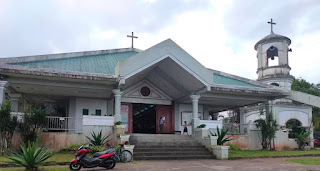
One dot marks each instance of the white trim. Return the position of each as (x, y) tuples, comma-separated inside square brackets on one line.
[(148, 84), (174, 59), (146, 101)]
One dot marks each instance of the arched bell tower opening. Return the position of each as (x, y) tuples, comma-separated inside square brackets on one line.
[(273, 64), (272, 55)]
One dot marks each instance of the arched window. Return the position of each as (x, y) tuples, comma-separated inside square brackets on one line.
[(295, 127), (275, 84), (272, 55)]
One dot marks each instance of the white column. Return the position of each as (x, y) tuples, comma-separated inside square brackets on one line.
[(3, 85), (195, 119), (117, 104), (14, 99)]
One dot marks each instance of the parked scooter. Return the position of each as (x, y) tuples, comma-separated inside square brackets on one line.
[(100, 159)]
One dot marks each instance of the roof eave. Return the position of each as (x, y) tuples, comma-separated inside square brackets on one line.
[(272, 92), (5, 68)]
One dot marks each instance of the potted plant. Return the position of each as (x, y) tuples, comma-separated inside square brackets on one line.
[(119, 128), (221, 152)]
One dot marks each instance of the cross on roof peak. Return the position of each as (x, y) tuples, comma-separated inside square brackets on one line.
[(132, 37), (271, 23)]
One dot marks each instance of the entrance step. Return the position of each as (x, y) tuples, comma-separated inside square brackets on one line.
[(167, 147)]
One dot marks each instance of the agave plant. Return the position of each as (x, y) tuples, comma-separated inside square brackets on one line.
[(97, 140), (30, 157), (221, 136)]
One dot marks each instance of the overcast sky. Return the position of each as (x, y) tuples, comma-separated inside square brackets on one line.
[(220, 34)]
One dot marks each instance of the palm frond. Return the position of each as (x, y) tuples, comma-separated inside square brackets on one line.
[(30, 157)]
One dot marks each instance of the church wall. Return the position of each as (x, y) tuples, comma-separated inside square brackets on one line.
[(186, 108), (287, 112), (92, 105)]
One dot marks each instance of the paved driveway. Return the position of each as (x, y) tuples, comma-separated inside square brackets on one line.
[(273, 164)]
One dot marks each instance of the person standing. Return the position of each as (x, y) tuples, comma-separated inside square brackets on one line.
[(185, 129), (161, 124)]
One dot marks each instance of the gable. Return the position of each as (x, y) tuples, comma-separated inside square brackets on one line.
[(135, 94), (159, 52)]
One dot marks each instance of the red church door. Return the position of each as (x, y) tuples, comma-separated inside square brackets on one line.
[(168, 123)]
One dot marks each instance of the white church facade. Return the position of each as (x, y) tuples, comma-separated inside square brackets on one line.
[(90, 91)]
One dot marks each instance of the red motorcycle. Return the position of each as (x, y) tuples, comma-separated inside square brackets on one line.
[(100, 159)]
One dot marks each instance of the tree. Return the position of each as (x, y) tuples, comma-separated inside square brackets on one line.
[(268, 129), (8, 125), (32, 125), (302, 85)]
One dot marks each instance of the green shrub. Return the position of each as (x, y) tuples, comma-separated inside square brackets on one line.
[(8, 125), (118, 123), (30, 156), (234, 147), (202, 126), (72, 147), (97, 140), (221, 136), (95, 149)]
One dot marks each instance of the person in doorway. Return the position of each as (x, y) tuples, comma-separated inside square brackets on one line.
[(185, 128), (161, 125)]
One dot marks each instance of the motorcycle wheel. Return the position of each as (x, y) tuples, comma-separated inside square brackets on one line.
[(110, 165), (75, 166)]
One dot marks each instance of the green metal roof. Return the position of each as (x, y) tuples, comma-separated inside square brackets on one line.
[(219, 79), (97, 64)]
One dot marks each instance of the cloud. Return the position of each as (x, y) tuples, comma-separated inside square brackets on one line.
[(220, 34)]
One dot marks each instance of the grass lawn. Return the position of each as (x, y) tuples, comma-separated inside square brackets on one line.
[(307, 161), (41, 169), (263, 153), (58, 157)]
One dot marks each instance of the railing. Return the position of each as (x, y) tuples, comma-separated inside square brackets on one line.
[(213, 124), (237, 129), (64, 123)]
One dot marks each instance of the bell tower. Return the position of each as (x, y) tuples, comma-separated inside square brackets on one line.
[(273, 64)]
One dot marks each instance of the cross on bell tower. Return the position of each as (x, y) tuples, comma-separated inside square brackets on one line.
[(132, 37), (271, 23)]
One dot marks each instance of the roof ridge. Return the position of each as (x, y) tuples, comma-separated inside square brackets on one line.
[(45, 57)]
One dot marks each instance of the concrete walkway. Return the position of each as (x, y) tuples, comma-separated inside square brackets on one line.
[(273, 164)]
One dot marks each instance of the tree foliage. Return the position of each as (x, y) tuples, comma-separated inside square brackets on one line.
[(268, 129), (8, 125), (32, 125), (302, 85), (302, 138)]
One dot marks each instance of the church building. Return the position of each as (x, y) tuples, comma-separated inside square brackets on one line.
[(89, 91)]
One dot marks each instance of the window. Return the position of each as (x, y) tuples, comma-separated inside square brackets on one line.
[(98, 112), (85, 111), (145, 91), (294, 127), (275, 84)]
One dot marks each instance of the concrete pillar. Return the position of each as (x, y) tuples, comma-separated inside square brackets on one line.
[(117, 104), (14, 99), (195, 119), (3, 85)]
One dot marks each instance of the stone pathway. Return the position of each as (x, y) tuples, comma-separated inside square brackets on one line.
[(272, 164)]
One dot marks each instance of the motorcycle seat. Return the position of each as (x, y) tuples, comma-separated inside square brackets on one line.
[(97, 154)]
